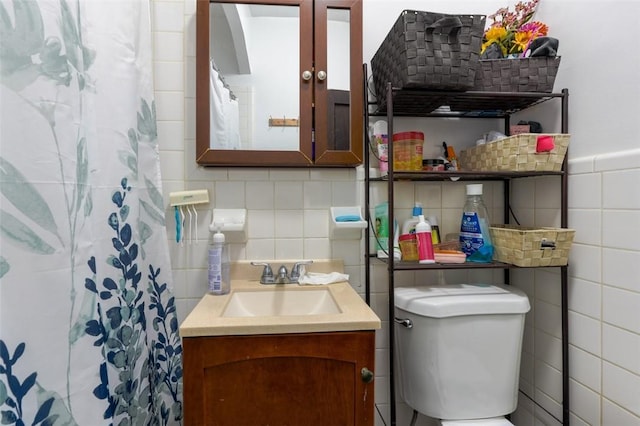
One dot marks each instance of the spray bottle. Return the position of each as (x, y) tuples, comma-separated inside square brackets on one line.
[(219, 265)]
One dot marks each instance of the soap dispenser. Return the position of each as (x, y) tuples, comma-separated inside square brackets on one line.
[(219, 265)]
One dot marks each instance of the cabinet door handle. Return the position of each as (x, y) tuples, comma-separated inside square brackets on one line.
[(306, 75), (367, 375), (322, 75)]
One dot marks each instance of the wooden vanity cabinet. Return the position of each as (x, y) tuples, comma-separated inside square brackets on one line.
[(282, 379)]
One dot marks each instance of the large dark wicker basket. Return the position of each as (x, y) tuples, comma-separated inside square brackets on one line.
[(517, 75), (429, 50)]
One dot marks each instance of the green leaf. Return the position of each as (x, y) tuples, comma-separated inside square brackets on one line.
[(133, 140), (19, 43), (70, 35), (52, 63), (84, 315), (144, 231), (88, 56), (129, 160), (157, 217), (82, 171), (23, 236), (58, 408), (154, 194), (147, 120), (4, 268), (88, 206), (24, 196)]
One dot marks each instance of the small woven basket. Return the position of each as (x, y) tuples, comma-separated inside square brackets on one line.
[(429, 50), (517, 75), (530, 247), (516, 153)]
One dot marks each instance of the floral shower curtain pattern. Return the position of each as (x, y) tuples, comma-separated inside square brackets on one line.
[(88, 326)]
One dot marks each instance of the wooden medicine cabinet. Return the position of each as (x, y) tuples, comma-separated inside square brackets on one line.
[(279, 83)]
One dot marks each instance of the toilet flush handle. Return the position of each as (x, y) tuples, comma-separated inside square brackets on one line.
[(405, 322)]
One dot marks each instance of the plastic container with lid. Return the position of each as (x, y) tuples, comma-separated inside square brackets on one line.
[(407, 151), (409, 247)]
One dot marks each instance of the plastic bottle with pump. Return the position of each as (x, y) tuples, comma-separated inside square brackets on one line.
[(219, 265), (425, 245), (475, 240), (409, 225)]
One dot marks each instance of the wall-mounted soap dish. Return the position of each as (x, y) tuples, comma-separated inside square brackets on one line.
[(346, 222), (231, 222)]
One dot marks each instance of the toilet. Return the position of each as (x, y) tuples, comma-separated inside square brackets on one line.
[(458, 351)]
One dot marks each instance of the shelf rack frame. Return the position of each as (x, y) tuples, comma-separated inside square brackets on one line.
[(472, 104)]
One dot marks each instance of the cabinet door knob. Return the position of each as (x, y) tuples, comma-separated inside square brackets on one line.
[(322, 75), (367, 375), (306, 75)]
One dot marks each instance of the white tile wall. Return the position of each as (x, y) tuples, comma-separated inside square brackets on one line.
[(288, 215)]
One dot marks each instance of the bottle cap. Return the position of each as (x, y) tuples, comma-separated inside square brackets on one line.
[(475, 189), (218, 237), (417, 209), (432, 221)]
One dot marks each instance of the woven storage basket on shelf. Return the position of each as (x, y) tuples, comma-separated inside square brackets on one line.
[(527, 247), (516, 153), (517, 75), (429, 50)]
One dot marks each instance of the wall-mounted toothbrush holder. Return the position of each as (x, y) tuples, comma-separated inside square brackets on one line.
[(186, 214), (231, 222), (346, 222)]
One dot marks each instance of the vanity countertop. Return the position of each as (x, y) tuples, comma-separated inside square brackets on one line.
[(207, 318)]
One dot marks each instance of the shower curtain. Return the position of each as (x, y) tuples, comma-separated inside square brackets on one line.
[(88, 326), (224, 112)]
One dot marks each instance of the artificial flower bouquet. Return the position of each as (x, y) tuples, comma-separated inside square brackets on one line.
[(511, 33), (514, 34)]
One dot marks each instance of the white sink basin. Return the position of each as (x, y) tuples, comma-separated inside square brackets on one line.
[(281, 302)]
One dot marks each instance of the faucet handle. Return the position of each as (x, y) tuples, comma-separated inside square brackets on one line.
[(298, 269), (267, 273), (283, 274)]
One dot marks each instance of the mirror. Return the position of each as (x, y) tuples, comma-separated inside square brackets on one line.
[(256, 105)]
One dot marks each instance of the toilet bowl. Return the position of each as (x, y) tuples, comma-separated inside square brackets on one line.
[(458, 351)]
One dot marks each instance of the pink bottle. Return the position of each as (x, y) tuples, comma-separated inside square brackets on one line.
[(425, 244)]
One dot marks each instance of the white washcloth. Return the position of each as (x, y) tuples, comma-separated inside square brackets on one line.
[(316, 278)]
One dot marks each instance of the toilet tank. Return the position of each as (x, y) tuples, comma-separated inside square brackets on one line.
[(460, 359)]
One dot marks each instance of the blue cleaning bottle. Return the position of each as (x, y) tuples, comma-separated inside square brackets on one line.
[(475, 240)]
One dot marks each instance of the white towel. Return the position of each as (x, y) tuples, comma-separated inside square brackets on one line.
[(316, 278)]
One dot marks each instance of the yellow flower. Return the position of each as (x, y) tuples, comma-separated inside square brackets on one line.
[(521, 41), (495, 34)]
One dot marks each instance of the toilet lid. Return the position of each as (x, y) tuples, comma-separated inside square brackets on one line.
[(442, 301), (494, 421)]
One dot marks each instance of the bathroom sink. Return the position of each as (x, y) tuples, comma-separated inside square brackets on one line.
[(281, 302)]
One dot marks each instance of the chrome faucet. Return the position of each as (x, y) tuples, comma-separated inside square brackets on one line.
[(283, 276)]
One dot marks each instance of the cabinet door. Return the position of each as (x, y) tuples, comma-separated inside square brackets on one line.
[(290, 379), (339, 93), (278, 59)]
